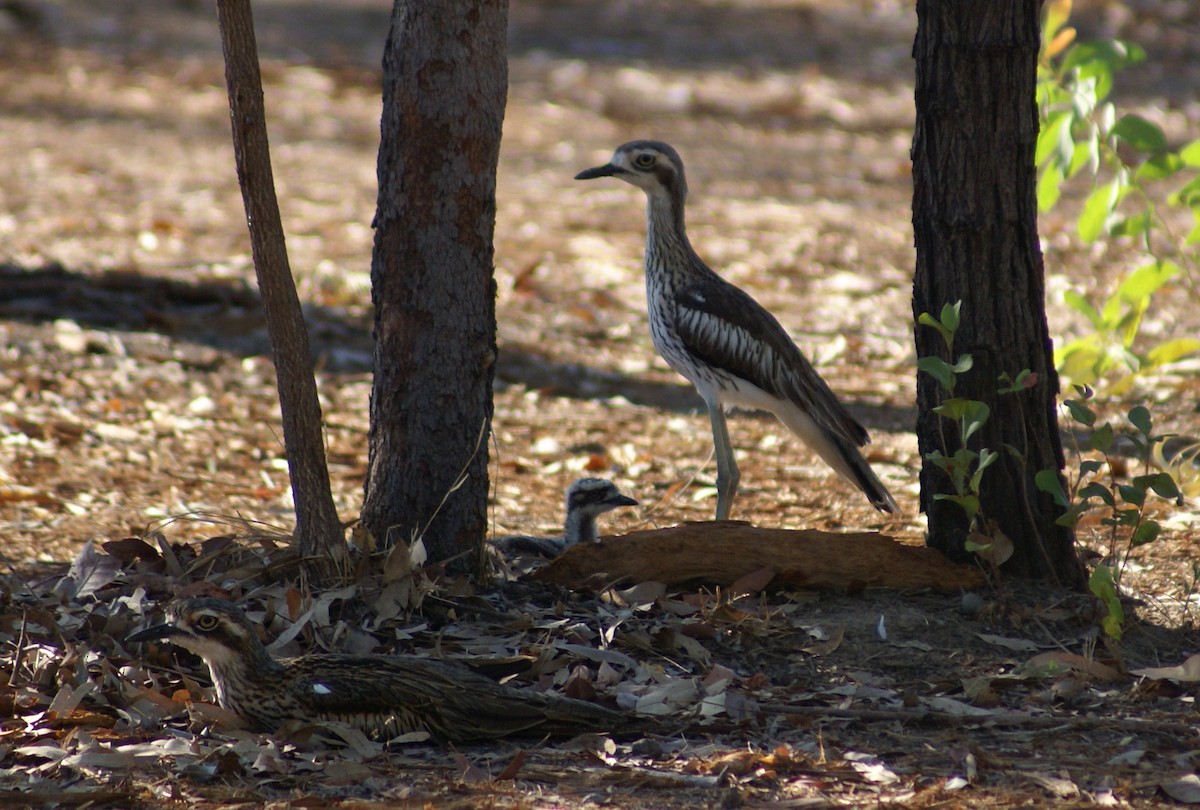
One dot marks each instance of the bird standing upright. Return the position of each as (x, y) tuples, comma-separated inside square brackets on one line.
[(732, 349)]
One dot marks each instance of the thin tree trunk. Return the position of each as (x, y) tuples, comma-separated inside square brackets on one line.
[(975, 222), (318, 530), (445, 86)]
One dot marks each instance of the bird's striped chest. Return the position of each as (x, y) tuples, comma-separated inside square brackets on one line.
[(664, 317)]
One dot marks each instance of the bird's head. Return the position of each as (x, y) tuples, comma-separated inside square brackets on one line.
[(653, 166), (595, 496), (214, 629)]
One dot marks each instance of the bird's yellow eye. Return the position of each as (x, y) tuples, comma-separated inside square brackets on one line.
[(644, 160), (207, 622)]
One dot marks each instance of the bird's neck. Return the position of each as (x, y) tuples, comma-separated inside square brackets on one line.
[(667, 244), (231, 673), (579, 528)]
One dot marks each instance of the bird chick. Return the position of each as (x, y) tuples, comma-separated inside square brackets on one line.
[(587, 499)]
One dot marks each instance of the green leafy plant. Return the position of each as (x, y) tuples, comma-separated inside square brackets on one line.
[(966, 467), (1123, 506), (1124, 156)]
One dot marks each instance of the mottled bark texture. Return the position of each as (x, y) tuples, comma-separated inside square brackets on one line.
[(975, 222), (318, 532), (445, 85)]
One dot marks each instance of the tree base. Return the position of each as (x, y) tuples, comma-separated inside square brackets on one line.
[(721, 552)]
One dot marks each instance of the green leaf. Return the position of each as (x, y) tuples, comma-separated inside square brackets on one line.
[(1080, 360), (1193, 236), (953, 409), (1077, 302), (1049, 187), (1097, 209), (1098, 61), (1102, 438), (950, 316), (986, 459), (1140, 133), (925, 319), (965, 362), (1098, 490), (1085, 93), (1161, 483), (1190, 154), (1172, 350), (1146, 280), (1090, 466), (1139, 417), (1133, 495), (968, 503), (1101, 584), (1048, 137), (1050, 482), (1136, 225), (974, 419), (1159, 167), (1188, 196), (938, 460), (1080, 413), (1087, 153), (939, 369), (1146, 532)]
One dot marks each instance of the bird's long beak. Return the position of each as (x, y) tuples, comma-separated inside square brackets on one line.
[(621, 500), (607, 170), (159, 631)]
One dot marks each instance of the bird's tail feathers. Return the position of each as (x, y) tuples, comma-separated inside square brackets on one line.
[(840, 454)]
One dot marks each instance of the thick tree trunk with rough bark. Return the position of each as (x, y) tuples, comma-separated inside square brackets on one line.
[(318, 532), (975, 222), (445, 85)]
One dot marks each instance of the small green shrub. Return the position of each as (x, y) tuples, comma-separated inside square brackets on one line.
[(1081, 133)]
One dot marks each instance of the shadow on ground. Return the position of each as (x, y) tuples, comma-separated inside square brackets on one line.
[(226, 315)]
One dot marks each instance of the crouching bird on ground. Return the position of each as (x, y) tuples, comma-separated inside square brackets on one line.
[(383, 696), (732, 349)]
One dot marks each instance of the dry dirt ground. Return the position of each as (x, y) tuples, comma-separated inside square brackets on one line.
[(138, 398)]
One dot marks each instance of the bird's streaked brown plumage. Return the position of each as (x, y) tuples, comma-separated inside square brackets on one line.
[(384, 696), (732, 349)]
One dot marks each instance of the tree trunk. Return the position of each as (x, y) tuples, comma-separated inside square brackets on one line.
[(975, 222), (445, 86), (318, 530)]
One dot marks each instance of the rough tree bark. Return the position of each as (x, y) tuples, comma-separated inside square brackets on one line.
[(318, 530), (975, 222), (445, 86)]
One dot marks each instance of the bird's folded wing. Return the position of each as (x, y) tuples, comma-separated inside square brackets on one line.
[(450, 702), (725, 327)]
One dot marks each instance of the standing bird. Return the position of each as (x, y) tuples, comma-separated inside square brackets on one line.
[(729, 346), (383, 696), (587, 499)]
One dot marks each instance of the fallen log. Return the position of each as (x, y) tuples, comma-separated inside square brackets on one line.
[(721, 552)]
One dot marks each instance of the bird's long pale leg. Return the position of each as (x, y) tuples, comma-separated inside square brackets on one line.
[(727, 471)]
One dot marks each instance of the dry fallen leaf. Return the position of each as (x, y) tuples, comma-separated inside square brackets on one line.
[(833, 640), (752, 583), (1188, 671), (1184, 788), (1017, 644), (1056, 661)]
